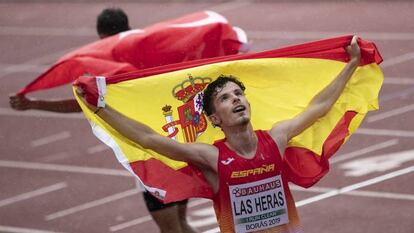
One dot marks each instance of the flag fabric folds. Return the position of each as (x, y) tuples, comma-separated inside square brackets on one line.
[(199, 35), (279, 84)]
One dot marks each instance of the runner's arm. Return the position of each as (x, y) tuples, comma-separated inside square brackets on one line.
[(22, 103)]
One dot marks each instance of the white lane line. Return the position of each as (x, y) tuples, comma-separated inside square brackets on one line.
[(399, 80), (387, 195), (355, 186), (206, 217), (91, 204), (50, 139), (397, 94), (204, 221), (353, 154), (9, 229), (55, 157), (377, 163), (40, 114), (314, 189), (203, 212), (14, 68), (385, 132), (396, 196), (64, 168), (318, 35), (197, 202), (31, 194), (395, 111), (97, 148), (214, 230), (48, 58), (230, 6), (396, 60), (46, 31), (134, 222), (121, 226)]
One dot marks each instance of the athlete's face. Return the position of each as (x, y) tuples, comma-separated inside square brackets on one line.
[(231, 106)]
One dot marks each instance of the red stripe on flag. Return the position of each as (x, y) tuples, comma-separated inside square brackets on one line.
[(306, 167), (181, 184), (332, 49)]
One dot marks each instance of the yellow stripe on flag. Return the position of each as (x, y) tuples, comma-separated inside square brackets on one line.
[(277, 88)]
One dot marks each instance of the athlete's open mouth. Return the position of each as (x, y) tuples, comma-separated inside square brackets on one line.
[(239, 108)]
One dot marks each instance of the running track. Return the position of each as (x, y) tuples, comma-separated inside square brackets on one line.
[(56, 177)]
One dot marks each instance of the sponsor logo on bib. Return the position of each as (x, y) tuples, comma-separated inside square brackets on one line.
[(258, 205)]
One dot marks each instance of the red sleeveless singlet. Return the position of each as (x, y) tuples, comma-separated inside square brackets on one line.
[(253, 194)]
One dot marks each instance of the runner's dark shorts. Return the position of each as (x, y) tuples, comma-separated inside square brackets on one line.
[(153, 204)]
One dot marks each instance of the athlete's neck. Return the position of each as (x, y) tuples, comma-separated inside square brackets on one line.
[(242, 140)]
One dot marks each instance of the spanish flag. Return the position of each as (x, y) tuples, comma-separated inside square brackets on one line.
[(279, 84), (199, 35)]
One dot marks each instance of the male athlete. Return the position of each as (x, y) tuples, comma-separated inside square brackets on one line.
[(244, 201)]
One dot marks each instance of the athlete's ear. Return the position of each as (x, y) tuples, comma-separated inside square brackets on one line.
[(215, 120)]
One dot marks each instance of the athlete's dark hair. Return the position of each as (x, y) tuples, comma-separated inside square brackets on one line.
[(111, 21), (214, 87)]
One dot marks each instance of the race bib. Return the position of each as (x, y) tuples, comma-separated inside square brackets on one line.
[(258, 205)]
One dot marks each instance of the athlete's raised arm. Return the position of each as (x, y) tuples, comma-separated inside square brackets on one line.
[(199, 154), (320, 104)]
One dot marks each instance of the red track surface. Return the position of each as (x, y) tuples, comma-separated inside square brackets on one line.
[(56, 177)]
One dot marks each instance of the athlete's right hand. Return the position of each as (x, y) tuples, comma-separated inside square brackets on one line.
[(19, 102)]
